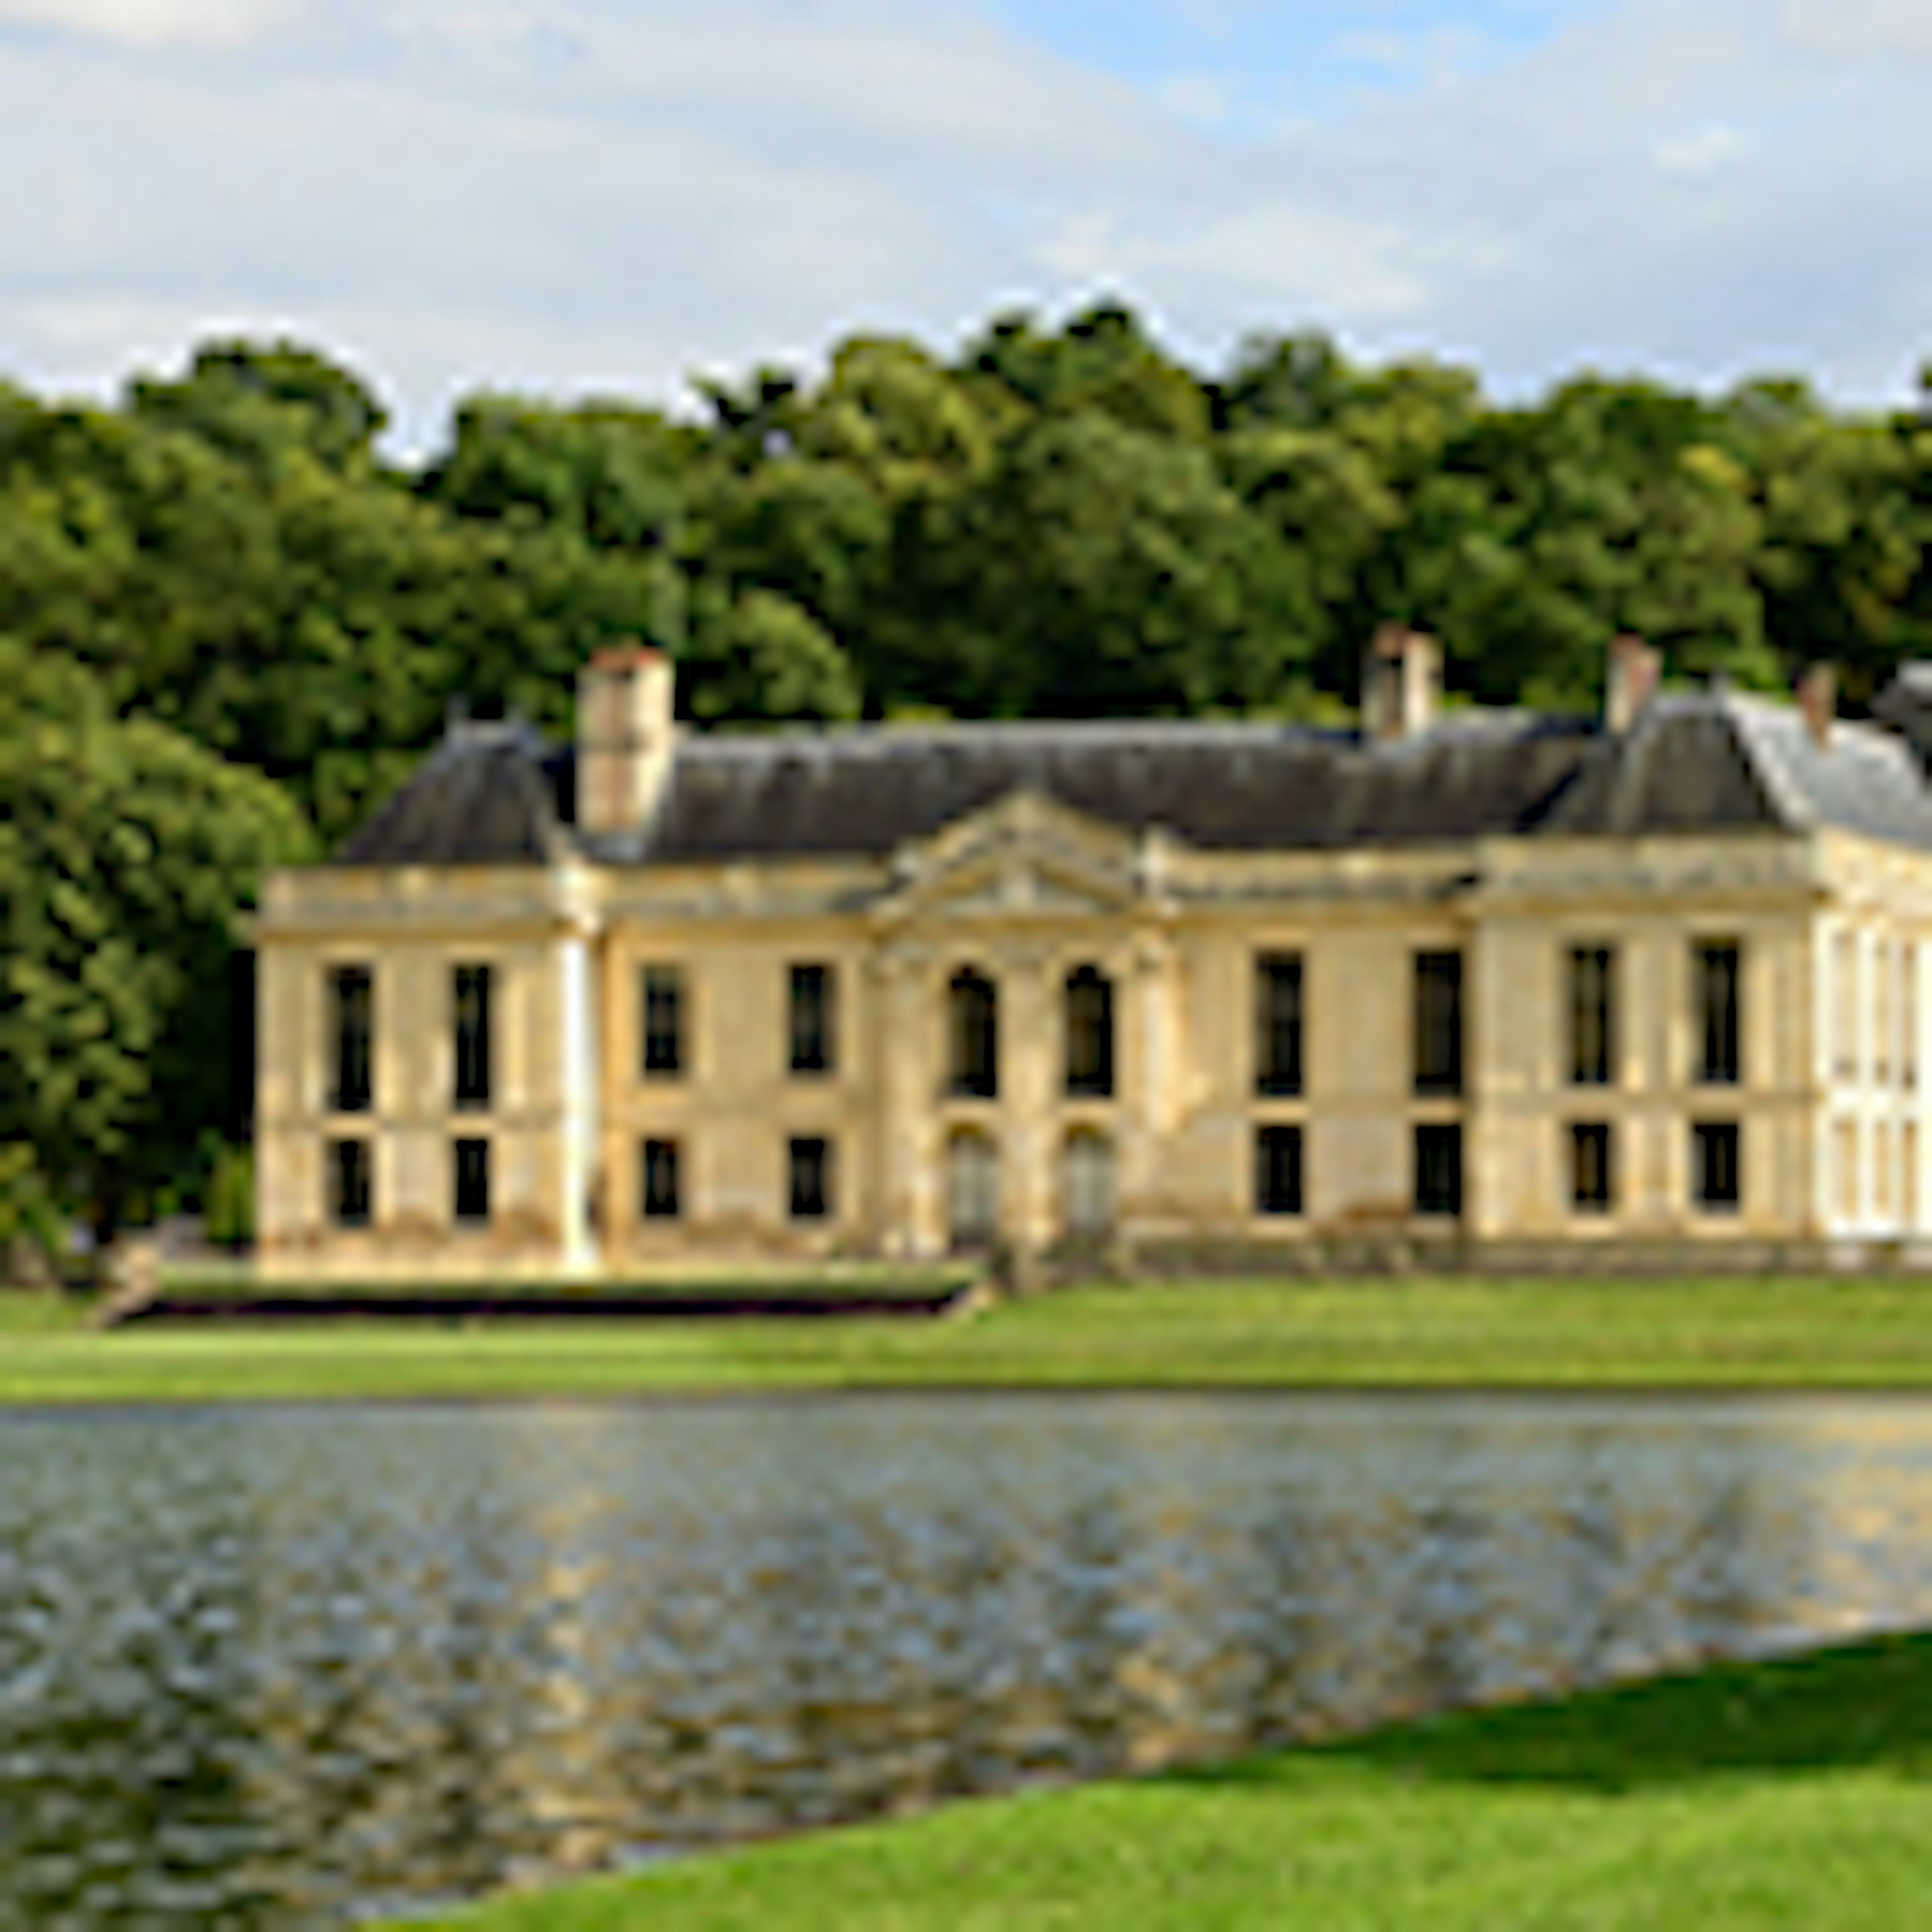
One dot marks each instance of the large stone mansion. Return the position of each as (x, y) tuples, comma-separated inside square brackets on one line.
[(1483, 983)]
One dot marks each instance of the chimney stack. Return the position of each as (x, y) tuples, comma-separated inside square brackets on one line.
[(625, 736), (1402, 680), (1818, 699), (1631, 675)]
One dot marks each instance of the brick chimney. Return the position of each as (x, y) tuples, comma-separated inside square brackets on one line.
[(1630, 677), (1402, 680), (1818, 700), (626, 732)]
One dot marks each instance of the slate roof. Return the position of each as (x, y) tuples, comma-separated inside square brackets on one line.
[(487, 796), (1702, 762)]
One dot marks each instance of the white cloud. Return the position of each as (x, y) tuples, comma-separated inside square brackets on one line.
[(153, 22), (610, 192)]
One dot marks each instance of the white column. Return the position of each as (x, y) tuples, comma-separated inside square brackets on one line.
[(577, 1134)]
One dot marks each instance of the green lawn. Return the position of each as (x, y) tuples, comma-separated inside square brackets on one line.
[(1796, 1794), (1852, 1333)]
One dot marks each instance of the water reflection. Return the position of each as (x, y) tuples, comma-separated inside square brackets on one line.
[(261, 1668)]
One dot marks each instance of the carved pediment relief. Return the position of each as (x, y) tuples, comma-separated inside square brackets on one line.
[(1025, 856)]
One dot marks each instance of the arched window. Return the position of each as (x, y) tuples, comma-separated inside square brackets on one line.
[(973, 1003), (972, 1191), (1087, 1185), (1090, 1033)]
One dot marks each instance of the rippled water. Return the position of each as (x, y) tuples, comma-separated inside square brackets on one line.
[(276, 1666)]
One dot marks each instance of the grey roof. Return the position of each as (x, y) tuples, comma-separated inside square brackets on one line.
[(1710, 761), (485, 796)]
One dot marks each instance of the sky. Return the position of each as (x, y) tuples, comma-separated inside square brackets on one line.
[(571, 197)]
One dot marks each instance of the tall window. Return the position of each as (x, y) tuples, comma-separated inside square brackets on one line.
[(473, 1181), (1438, 1022), (659, 1181), (469, 987), (350, 1193), (1278, 1023), (1090, 1033), (663, 1020), (811, 1174), (1591, 1182), (1844, 1007), (1439, 1168), (352, 1019), (1716, 1176), (1717, 972), (972, 1013), (1278, 1170), (814, 1047), (1592, 1015)]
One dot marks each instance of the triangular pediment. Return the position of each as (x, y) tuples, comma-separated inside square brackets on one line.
[(1024, 856)]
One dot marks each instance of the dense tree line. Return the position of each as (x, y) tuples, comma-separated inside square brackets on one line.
[(228, 623)]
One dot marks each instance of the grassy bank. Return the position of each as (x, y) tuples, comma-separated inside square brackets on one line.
[(1853, 1333), (1794, 1794)]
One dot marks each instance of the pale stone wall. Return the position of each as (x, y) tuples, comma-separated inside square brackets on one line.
[(1830, 1107)]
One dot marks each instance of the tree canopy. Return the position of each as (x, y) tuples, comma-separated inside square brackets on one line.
[(226, 613)]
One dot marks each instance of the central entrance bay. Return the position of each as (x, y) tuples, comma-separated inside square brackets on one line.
[(274, 1665)]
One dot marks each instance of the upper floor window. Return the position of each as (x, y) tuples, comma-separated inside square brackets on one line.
[(352, 1020), (1718, 992), (1090, 1033), (1278, 1023), (663, 1020), (1438, 1022), (814, 1047), (469, 987), (1592, 1015), (972, 1016)]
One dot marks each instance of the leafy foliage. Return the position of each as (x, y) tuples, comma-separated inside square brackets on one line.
[(223, 572)]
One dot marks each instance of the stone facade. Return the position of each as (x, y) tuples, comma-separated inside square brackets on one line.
[(1618, 1007)]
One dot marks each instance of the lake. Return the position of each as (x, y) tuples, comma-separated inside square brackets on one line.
[(287, 1666)]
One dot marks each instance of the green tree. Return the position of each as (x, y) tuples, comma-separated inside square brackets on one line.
[(127, 857)]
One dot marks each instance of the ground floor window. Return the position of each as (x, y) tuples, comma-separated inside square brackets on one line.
[(1439, 1168), (1592, 1183), (1087, 1183), (350, 1192), (473, 1181), (1715, 1174), (1278, 1170), (659, 1189), (811, 1179)]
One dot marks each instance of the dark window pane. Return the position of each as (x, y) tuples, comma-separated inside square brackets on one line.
[(1278, 1023), (351, 1193), (470, 997), (663, 1020), (1591, 1181), (1278, 1170), (1719, 991), (660, 1180), (1438, 1168), (473, 1181), (352, 998), (1715, 1168), (811, 1165), (1090, 1033), (973, 1013), (1592, 1015), (1438, 1022), (814, 1046)]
